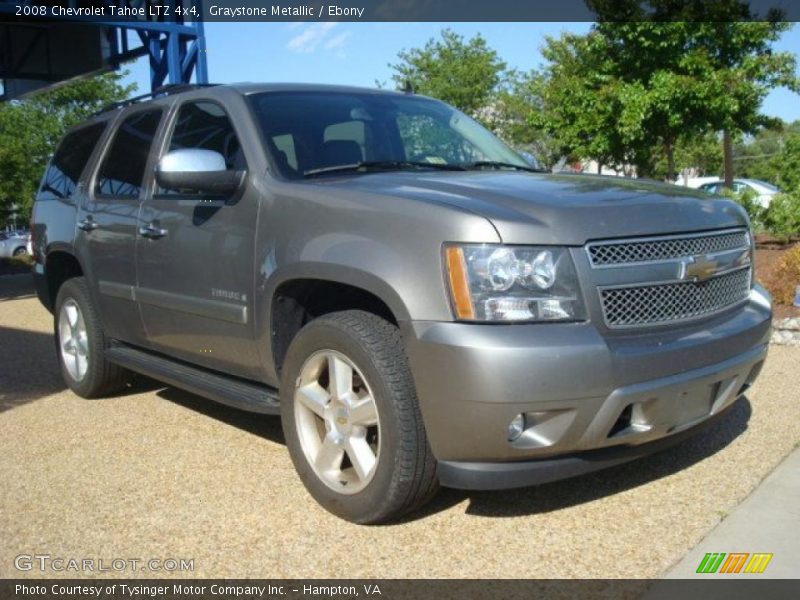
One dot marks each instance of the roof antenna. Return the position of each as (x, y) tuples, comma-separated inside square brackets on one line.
[(409, 87)]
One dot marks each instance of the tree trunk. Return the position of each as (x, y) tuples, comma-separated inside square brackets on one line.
[(670, 150), (599, 168), (727, 151)]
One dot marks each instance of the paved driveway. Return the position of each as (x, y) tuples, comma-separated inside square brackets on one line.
[(160, 473)]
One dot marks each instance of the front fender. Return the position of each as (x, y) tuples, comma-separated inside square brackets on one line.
[(387, 246), (323, 271)]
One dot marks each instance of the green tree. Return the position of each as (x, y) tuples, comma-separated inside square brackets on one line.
[(754, 155), (515, 106), (701, 154), (462, 73), (772, 155), (786, 165), (31, 128), (633, 90), (578, 102)]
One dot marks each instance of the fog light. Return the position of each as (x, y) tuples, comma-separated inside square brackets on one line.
[(516, 427)]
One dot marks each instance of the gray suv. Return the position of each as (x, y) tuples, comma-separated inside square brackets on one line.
[(418, 304)]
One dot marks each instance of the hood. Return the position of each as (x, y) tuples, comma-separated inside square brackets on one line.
[(567, 209)]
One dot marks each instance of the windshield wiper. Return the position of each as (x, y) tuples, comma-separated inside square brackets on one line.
[(479, 164), (366, 165)]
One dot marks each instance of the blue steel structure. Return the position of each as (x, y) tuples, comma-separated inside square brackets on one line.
[(175, 44)]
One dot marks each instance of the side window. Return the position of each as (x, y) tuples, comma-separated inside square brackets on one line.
[(67, 164), (123, 167), (206, 125)]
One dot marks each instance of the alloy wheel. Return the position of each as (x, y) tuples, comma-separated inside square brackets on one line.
[(73, 340), (337, 421)]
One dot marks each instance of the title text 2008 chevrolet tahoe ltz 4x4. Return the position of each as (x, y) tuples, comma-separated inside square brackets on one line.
[(420, 307)]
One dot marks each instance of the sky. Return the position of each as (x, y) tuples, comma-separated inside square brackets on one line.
[(360, 53)]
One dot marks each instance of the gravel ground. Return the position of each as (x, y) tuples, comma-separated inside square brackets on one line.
[(159, 473)]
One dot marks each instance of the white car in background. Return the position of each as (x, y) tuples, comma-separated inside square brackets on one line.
[(14, 243), (764, 191)]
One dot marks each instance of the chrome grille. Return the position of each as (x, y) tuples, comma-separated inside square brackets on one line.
[(665, 248), (664, 303)]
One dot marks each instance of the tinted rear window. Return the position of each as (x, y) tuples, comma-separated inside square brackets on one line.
[(67, 164), (123, 168)]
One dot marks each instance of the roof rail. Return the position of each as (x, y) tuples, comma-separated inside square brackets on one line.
[(164, 90)]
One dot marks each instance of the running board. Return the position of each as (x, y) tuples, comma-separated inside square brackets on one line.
[(228, 390)]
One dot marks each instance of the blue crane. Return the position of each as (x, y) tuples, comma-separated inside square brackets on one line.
[(43, 43)]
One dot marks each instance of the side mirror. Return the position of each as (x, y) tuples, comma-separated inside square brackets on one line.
[(195, 170)]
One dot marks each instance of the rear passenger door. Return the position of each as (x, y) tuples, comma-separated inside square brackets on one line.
[(108, 220), (196, 280), (62, 190)]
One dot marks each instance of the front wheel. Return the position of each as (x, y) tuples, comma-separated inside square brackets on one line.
[(21, 251), (351, 419)]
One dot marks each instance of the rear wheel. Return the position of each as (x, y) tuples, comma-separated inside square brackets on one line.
[(21, 251), (81, 344), (351, 419)]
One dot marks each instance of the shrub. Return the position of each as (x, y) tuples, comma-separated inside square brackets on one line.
[(782, 218), (748, 201), (786, 277), (787, 164)]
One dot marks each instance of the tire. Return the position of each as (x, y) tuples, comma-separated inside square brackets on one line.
[(404, 475), (21, 251), (98, 377)]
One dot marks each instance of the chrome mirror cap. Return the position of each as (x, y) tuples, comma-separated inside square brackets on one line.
[(192, 160)]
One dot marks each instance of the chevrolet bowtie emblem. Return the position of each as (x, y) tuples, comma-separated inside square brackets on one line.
[(698, 268)]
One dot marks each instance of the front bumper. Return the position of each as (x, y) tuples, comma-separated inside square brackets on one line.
[(579, 391), (509, 475)]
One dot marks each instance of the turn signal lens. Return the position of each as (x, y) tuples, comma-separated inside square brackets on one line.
[(459, 284)]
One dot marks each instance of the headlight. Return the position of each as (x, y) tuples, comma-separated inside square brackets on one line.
[(513, 283)]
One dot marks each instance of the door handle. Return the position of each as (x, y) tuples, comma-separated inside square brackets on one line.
[(152, 231), (88, 224)]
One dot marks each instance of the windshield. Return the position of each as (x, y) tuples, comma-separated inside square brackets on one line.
[(318, 132)]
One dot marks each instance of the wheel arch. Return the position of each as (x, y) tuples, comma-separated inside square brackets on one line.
[(311, 292), (60, 265)]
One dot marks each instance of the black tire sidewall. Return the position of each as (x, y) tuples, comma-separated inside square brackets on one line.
[(363, 506), (93, 382)]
